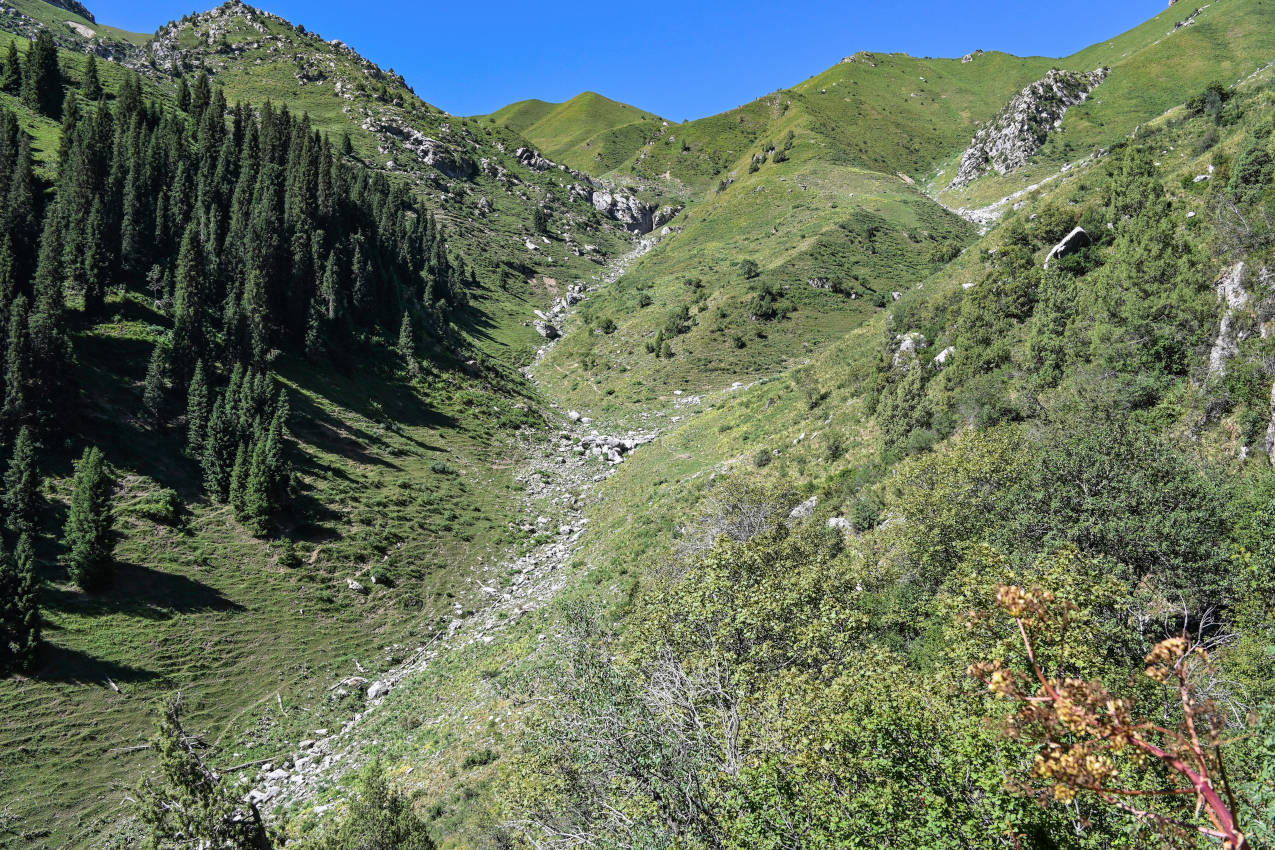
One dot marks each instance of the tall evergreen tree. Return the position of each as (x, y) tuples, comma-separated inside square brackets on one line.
[(19, 608), (11, 75), (89, 536), (21, 223), (192, 805), (196, 412), (18, 367), (219, 447), (91, 86), (407, 345), (189, 330), (96, 261), (239, 479), (22, 484), (42, 77), (155, 388)]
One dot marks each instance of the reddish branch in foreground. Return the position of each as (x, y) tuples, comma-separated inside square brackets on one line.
[(1083, 729)]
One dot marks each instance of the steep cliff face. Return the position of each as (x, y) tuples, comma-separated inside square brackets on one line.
[(1013, 137)]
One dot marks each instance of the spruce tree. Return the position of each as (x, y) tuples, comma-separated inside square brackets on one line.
[(189, 303), (196, 412), (155, 388), (256, 507), (91, 86), (239, 479), (18, 366), (96, 261), (191, 804), (11, 76), (219, 445), (22, 485), (89, 536), (42, 78), (71, 115), (19, 608), (183, 95), (407, 345), (315, 337), (21, 224)]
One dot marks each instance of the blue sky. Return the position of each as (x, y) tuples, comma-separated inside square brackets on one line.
[(682, 59)]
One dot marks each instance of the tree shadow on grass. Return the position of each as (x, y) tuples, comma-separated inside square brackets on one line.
[(143, 592), (71, 666)]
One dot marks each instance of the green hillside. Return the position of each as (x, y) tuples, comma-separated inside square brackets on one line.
[(842, 509), (521, 115), (590, 132)]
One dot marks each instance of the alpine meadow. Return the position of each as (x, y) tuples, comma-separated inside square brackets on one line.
[(887, 462)]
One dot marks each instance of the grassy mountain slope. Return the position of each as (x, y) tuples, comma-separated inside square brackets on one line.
[(58, 21), (828, 429), (409, 482), (415, 482), (1153, 67), (590, 132), (521, 115)]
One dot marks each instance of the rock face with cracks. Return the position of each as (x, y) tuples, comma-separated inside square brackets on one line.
[(1013, 137)]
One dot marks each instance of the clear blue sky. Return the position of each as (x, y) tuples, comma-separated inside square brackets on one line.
[(680, 59)]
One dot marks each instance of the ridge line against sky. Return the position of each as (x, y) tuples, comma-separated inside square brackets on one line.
[(683, 61)]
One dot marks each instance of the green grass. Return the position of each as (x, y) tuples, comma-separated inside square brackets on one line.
[(56, 17), (589, 132), (203, 607)]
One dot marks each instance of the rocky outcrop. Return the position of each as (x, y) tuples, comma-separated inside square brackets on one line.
[(74, 7), (636, 216), (908, 346), (432, 152), (1070, 244), (1006, 143), (1235, 301), (531, 158)]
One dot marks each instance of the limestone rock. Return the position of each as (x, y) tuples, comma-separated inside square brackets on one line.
[(1234, 300), (1070, 244), (805, 509), (378, 689), (1007, 142), (909, 344)]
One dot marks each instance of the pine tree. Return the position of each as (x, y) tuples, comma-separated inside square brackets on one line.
[(193, 806), (257, 505), (11, 76), (17, 370), (91, 86), (19, 608), (183, 95), (255, 305), (155, 389), (89, 536), (407, 346), (379, 817), (189, 303), (71, 115), (42, 78), (96, 261), (315, 337), (196, 412), (22, 484), (239, 480), (20, 215), (219, 444)]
